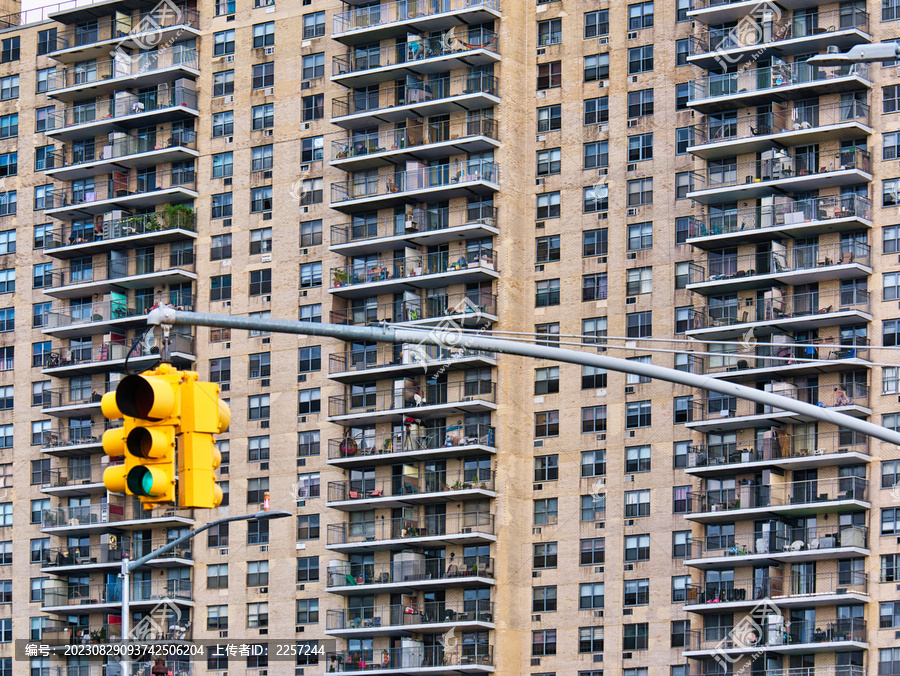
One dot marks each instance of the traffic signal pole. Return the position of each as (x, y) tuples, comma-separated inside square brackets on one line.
[(450, 337)]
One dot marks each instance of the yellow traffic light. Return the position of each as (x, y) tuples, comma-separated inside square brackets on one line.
[(203, 415)]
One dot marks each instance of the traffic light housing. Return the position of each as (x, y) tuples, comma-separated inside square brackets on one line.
[(203, 415)]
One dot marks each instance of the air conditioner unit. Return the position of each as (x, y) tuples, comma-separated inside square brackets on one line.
[(229, 58), (598, 569), (304, 167), (267, 299), (226, 223), (269, 132), (269, 91), (629, 522), (603, 41), (306, 125), (301, 418), (270, 51), (224, 552), (263, 548), (631, 212), (632, 35), (466, 530), (631, 256), (602, 259), (629, 567), (228, 181), (629, 390), (602, 215), (598, 613), (228, 99), (632, 123), (225, 387), (541, 95), (631, 167), (600, 481), (263, 590), (264, 423), (602, 84), (301, 587), (229, 139), (603, 127), (603, 172)]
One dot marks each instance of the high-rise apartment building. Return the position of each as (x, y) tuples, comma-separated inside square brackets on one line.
[(664, 181)]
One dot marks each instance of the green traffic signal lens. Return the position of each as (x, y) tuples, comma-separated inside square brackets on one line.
[(146, 482)]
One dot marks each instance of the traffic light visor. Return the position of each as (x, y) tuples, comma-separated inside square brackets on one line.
[(145, 397)]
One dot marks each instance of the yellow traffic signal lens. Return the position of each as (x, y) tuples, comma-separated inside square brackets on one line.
[(109, 407), (146, 397), (148, 442), (114, 478), (148, 482), (114, 442)]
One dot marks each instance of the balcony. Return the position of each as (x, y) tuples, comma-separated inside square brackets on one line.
[(396, 19), (786, 126), (111, 356), (439, 182), (91, 598), (786, 82), (89, 558), (429, 488), (57, 634), (721, 413), (820, 589), (383, 274), (419, 226), (103, 316), (781, 450), (412, 399), (406, 360), (785, 172), (414, 573), (138, 71), (462, 309), (396, 103), (416, 442), (99, 518), (132, 152), (419, 55), (778, 312), (122, 111), (429, 618), (784, 545), (726, 273), (113, 275), (78, 479), (162, 25), (799, 498), (142, 192), (423, 142), (791, 218), (397, 534), (74, 402), (779, 636), (779, 37), (722, 11), (472, 658), (782, 360), (74, 440)]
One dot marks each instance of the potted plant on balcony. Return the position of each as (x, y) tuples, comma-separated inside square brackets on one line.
[(178, 216), (340, 277)]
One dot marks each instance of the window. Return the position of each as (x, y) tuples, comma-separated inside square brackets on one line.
[(220, 287), (640, 191), (221, 205), (263, 116), (43, 199), (596, 154), (549, 75), (224, 7), (220, 247), (890, 380), (596, 110), (546, 380), (592, 377), (217, 576), (640, 147), (637, 592), (682, 274), (313, 25), (310, 359), (640, 16), (595, 198), (596, 67), (637, 459), (44, 75), (256, 490), (264, 35), (680, 632), (311, 148), (546, 293), (549, 161), (309, 401), (684, 184), (596, 23), (548, 205), (594, 330), (260, 282), (223, 83), (260, 199), (593, 551), (544, 555), (547, 249), (217, 618), (681, 502), (593, 463), (307, 443), (40, 471), (637, 414), (638, 280), (308, 527), (639, 324), (543, 599), (594, 286), (640, 59), (310, 275), (220, 370), (307, 611), (549, 118), (593, 419), (42, 234), (257, 614), (640, 236), (7, 242), (640, 103), (593, 507), (257, 449), (545, 512), (39, 546), (888, 658), (890, 521), (890, 10), (258, 407), (684, 408), (890, 96), (594, 242), (549, 331), (223, 43), (590, 596), (263, 75), (223, 124), (682, 7), (311, 313), (311, 191), (312, 107), (637, 548), (38, 507), (46, 41), (546, 468), (543, 643), (891, 289), (637, 504), (222, 165), (682, 95), (257, 573), (681, 544), (313, 66), (890, 567), (310, 233), (10, 50), (590, 640), (680, 584), (9, 87), (549, 32)]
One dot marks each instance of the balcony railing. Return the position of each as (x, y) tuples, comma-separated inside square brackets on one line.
[(414, 570), (382, 268), (412, 658), (395, 96), (415, 222), (830, 670), (113, 29), (798, 118), (400, 615), (126, 66), (411, 137), (139, 185), (122, 105), (787, 165), (61, 633), (383, 357), (394, 12), (107, 310), (412, 396), (788, 633), (107, 351), (59, 557), (131, 266), (414, 51), (63, 437), (76, 474), (785, 541), (793, 585), (786, 354), (777, 447), (451, 305), (719, 267), (770, 79), (439, 176), (122, 147), (779, 495), (782, 215), (415, 438), (427, 482), (84, 594), (412, 529), (826, 396), (777, 306), (83, 515), (69, 396), (128, 226)]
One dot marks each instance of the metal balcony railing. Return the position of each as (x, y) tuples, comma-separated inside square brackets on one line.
[(770, 79), (787, 633), (411, 658), (416, 438), (792, 586), (124, 66), (128, 226), (75, 435), (786, 540), (395, 96), (787, 354), (831, 670), (121, 28), (731, 266), (413, 395), (782, 215), (61, 633), (427, 482), (777, 447), (799, 117), (119, 268), (85, 594), (382, 357), (400, 615), (107, 351), (787, 165), (402, 10), (415, 222), (778, 495), (777, 306), (400, 572), (415, 50), (435, 307), (111, 553), (141, 184), (97, 513), (122, 105), (411, 137), (439, 176), (68, 396), (76, 475), (104, 311), (382, 268), (119, 148), (412, 529)]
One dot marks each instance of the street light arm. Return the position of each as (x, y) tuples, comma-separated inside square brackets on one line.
[(882, 51)]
